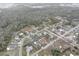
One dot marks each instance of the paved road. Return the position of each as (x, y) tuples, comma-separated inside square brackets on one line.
[(22, 40), (21, 44), (62, 37), (45, 47)]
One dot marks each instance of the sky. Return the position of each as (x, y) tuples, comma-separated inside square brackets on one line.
[(5, 5), (39, 1), (33, 1)]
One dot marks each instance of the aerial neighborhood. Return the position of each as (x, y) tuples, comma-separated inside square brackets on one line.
[(41, 29), (34, 40)]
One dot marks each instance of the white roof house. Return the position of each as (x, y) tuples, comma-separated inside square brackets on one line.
[(21, 34), (8, 48), (61, 30), (29, 48), (58, 17), (45, 33), (74, 36), (76, 33), (60, 47), (35, 43), (16, 37), (71, 55)]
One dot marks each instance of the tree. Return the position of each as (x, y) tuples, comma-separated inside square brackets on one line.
[(55, 52)]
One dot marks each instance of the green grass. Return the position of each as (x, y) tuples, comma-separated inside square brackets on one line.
[(55, 52)]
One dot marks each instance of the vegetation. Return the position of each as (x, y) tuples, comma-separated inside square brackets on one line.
[(55, 52), (15, 18)]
